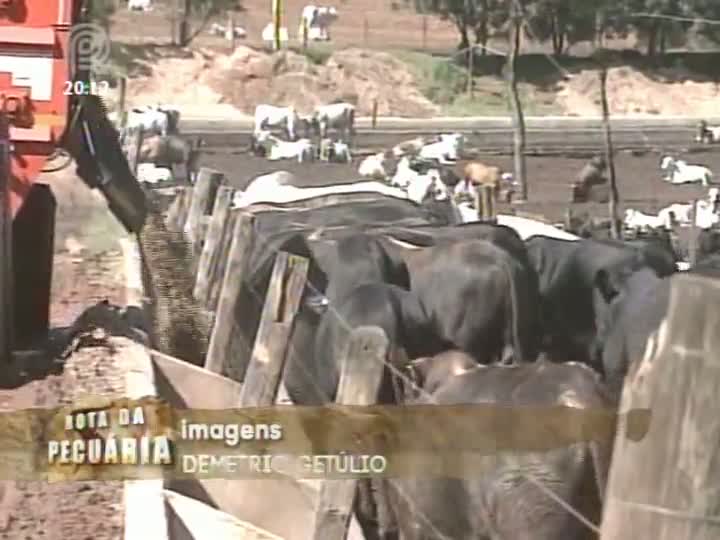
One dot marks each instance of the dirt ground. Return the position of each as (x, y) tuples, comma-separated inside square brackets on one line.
[(549, 179), (88, 268)]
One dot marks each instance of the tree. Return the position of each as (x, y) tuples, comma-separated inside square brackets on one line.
[(206, 9)]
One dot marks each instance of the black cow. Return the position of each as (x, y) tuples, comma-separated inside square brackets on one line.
[(571, 275), (314, 382), (635, 310), (479, 297), (508, 499)]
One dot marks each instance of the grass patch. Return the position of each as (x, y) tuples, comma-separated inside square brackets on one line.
[(445, 84)]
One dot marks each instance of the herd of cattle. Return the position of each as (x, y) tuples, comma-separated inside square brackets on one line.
[(511, 312)]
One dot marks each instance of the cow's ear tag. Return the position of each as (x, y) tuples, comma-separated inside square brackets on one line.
[(317, 303)]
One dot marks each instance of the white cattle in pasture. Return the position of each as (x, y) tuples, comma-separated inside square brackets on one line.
[(679, 172), (153, 119), (427, 185), (338, 116), (446, 150), (303, 150), (271, 192), (317, 20), (150, 174), (409, 148), (140, 5), (373, 167), (639, 221), (270, 116), (268, 34), (707, 134), (335, 151), (228, 33)]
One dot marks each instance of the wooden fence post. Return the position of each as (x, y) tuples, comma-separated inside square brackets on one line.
[(134, 155), (6, 250), (216, 279), (220, 337), (374, 113), (486, 211), (665, 485), (694, 234), (122, 112), (211, 248), (203, 199), (360, 378), (424, 32), (178, 211), (304, 34), (262, 376), (520, 168)]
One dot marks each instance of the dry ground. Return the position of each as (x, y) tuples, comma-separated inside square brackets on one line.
[(88, 268), (422, 84)]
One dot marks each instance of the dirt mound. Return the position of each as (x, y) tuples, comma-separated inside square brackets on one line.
[(249, 77), (631, 92)]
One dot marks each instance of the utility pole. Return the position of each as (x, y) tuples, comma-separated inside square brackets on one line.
[(277, 19)]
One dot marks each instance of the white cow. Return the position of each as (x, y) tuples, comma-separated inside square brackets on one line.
[(428, 184), (272, 192), (707, 134), (336, 151), (150, 174), (317, 19), (679, 172), (373, 167), (270, 116), (339, 116), (410, 147), (526, 228), (302, 150), (446, 150), (639, 221), (228, 33), (140, 5), (268, 35), (149, 119)]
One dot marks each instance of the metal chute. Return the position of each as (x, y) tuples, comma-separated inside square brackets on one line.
[(93, 142)]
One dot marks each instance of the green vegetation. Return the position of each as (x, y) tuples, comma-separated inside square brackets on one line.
[(564, 22), (445, 83)]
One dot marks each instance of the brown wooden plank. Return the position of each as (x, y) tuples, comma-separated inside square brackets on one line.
[(665, 485), (262, 379), (218, 271), (211, 247), (177, 213), (220, 338), (203, 200), (360, 379)]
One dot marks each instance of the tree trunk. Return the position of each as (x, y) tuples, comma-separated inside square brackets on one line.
[(663, 39), (609, 158), (652, 39), (555, 35), (481, 33), (516, 107), (184, 31), (464, 38)]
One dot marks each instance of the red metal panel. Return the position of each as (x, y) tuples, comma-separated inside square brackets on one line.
[(36, 29)]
